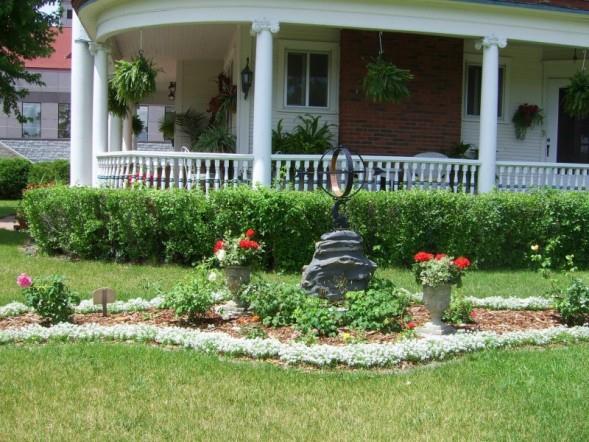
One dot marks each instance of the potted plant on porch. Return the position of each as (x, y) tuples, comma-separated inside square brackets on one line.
[(437, 274), (237, 255)]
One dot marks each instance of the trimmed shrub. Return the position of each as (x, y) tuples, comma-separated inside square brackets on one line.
[(49, 172), (495, 230), (13, 177)]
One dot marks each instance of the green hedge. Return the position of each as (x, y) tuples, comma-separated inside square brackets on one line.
[(48, 172), (13, 177), (496, 230)]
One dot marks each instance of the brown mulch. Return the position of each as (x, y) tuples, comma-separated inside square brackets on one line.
[(500, 321)]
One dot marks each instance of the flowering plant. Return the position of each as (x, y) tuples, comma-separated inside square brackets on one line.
[(238, 251), (49, 297), (525, 117), (435, 270)]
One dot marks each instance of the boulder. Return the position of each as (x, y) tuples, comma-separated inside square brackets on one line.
[(338, 266)]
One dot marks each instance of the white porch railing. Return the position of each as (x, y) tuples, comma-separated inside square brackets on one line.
[(211, 171), (522, 176)]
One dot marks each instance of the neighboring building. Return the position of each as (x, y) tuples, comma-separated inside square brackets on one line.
[(474, 63), (48, 107)]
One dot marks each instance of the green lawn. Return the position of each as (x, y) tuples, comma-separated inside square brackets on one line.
[(8, 207), (129, 392), (131, 281)]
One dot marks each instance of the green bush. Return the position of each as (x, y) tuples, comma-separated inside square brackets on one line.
[(13, 177), (194, 296), (495, 230), (573, 303), (49, 172), (51, 299), (274, 303), (382, 307), (460, 310), (315, 316)]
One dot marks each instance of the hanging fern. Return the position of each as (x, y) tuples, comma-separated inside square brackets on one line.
[(384, 82), (134, 80), (115, 106), (576, 100), (137, 125)]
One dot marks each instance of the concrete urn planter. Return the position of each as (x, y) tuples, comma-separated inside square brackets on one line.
[(236, 277), (436, 300)]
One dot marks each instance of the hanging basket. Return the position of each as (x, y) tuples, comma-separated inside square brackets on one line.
[(576, 99), (384, 82), (134, 80)]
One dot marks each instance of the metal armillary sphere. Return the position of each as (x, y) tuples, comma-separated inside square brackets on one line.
[(343, 180)]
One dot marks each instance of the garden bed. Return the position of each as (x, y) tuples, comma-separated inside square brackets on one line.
[(485, 320)]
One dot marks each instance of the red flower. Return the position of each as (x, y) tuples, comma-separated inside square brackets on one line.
[(473, 314), (249, 244), (250, 233), (462, 263), (411, 325), (218, 246), (440, 256), (423, 257)]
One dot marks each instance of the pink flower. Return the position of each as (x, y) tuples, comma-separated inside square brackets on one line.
[(411, 325), (24, 281)]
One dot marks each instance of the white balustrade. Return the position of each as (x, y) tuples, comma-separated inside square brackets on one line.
[(523, 176)]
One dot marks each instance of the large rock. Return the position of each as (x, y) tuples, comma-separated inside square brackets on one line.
[(338, 266)]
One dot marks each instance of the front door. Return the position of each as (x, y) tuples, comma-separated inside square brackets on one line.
[(567, 138)]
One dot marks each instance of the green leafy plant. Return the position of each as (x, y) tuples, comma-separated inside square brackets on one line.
[(195, 296), (384, 82), (526, 116), (216, 138), (192, 124), (274, 303), (573, 303), (576, 99), (309, 136), (49, 172), (317, 316), (460, 310), (168, 126), (137, 125), (14, 174), (381, 307), (134, 80), (225, 101), (49, 297), (116, 105)]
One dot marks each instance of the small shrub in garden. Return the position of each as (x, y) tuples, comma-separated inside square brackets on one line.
[(195, 296), (460, 311), (315, 316), (49, 297), (274, 303), (573, 303), (14, 173), (381, 307)]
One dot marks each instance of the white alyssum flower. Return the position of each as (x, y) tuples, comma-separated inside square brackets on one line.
[(501, 303), (13, 309), (354, 355)]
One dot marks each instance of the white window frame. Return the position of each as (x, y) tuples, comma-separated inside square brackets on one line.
[(308, 47), (477, 60)]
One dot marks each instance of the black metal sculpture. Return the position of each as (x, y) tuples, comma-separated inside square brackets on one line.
[(342, 190)]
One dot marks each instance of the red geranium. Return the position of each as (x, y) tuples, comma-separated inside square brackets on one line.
[(423, 257), (440, 256), (218, 246), (462, 263), (250, 233), (411, 325), (249, 244)]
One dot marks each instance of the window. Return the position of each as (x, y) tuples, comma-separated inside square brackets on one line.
[(63, 120), (143, 114), (474, 77), (307, 77), (32, 127)]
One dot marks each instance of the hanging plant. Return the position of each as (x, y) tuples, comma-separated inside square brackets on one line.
[(134, 80), (225, 101), (576, 99), (526, 116), (116, 106), (137, 125), (384, 82)]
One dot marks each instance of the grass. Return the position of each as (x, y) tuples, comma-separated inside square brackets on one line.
[(8, 207), (72, 392), (131, 281)]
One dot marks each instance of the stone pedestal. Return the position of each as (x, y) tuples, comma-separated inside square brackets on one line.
[(338, 266), (436, 300)]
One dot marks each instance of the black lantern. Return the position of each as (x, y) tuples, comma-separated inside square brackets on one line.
[(247, 78), (172, 90)]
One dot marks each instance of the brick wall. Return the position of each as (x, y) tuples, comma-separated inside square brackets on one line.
[(429, 120)]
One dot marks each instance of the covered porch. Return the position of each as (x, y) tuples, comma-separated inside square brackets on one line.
[(467, 87)]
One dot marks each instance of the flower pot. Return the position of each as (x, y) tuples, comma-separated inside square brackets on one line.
[(236, 277), (436, 300)]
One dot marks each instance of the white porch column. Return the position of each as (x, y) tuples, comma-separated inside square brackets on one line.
[(115, 133), (489, 108), (81, 107), (262, 132), (100, 107)]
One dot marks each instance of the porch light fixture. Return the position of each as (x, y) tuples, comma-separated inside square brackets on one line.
[(172, 91), (247, 78)]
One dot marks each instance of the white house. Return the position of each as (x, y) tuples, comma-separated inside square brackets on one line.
[(474, 62)]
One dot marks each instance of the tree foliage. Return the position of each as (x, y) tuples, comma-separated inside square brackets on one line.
[(25, 33)]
